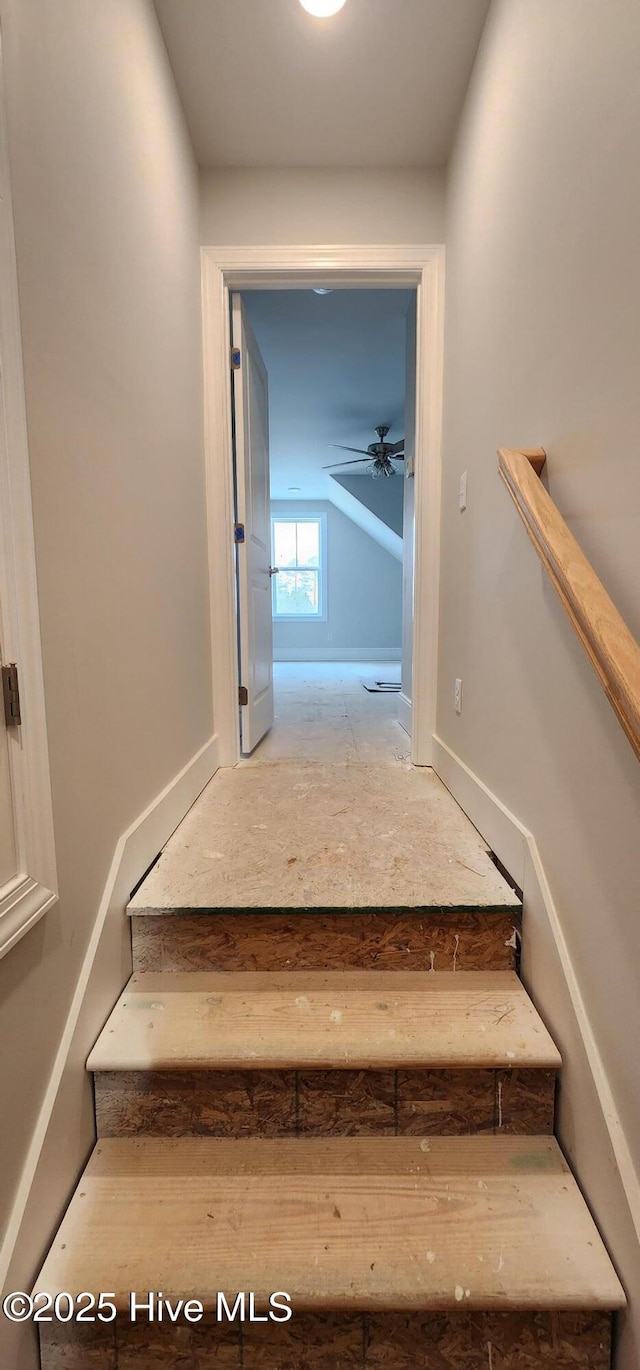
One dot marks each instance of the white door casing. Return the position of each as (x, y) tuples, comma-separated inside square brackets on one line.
[(27, 860), (253, 512), (303, 267), (8, 845), (408, 524)]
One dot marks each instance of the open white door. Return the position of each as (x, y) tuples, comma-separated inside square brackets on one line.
[(253, 514)]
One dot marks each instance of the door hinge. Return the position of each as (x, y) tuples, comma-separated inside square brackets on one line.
[(236, 358), (243, 694), (11, 695), (238, 532)]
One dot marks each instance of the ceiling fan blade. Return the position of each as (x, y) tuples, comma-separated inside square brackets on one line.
[(397, 447), (355, 462), (341, 448)]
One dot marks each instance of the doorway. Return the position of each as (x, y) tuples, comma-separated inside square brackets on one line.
[(336, 269), (321, 382)]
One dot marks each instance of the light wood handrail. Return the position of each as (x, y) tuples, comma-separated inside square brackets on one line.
[(608, 642)]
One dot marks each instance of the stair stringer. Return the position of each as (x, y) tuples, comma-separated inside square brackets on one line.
[(58, 1147), (588, 1124)]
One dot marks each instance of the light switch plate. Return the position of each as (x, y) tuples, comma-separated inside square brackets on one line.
[(463, 492)]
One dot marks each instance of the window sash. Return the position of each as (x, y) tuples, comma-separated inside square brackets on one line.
[(299, 567)]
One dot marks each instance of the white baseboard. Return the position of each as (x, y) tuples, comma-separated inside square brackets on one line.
[(503, 833), (337, 653), (588, 1123), (404, 712), (65, 1114)]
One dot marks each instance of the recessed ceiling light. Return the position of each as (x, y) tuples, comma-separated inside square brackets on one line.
[(322, 9), (320, 290)]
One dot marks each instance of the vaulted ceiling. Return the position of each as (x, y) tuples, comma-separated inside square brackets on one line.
[(381, 84)]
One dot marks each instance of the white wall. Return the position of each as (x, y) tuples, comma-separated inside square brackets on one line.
[(105, 200), (543, 348), (364, 596), (240, 207)]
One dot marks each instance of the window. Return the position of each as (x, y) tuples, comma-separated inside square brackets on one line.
[(298, 552)]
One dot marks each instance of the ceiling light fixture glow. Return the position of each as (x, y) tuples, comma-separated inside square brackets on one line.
[(322, 9)]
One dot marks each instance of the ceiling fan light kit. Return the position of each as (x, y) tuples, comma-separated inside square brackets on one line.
[(378, 455)]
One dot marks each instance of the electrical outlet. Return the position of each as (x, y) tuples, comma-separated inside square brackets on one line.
[(457, 696), (463, 492)]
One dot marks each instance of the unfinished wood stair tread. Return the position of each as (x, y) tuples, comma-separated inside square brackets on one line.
[(453, 1223), (339, 1019)]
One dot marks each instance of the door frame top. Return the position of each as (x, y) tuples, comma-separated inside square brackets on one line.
[(353, 267)]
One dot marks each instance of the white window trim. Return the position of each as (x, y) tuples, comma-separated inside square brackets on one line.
[(321, 519)]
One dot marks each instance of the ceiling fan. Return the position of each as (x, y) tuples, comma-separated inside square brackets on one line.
[(377, 454)]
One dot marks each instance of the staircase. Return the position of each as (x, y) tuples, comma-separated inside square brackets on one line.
[(350, 1106), (355, 1108)]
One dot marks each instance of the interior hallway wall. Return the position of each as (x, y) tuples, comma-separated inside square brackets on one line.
[(106, 214), (543, 349), (241, 207), (364, 597)]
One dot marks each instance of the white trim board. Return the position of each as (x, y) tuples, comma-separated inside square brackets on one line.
[(238, 268), (404, 710), (588, 1124), (336, 653), (34, 889), (104, 972)]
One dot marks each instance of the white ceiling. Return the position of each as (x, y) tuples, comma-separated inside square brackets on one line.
[(265, 84), (336, 367)]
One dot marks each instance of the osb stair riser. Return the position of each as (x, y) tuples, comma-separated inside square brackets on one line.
[(391, 1341), (272, 1103), (392, 939)]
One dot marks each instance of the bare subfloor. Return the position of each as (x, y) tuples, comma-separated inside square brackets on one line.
[(324, 714), (327, 813)]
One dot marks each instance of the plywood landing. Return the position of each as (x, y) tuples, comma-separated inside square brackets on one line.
[(338, 1019), (288, 836), (452, 1224)]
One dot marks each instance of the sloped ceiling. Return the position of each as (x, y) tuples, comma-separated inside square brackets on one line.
[(383, 497), (264, 84)]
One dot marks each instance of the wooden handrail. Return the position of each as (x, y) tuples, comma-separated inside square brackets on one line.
[(610, 646)]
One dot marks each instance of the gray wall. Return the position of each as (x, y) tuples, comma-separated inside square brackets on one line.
[(543, 348), (364, 596), (382, 496), (244, 205), (105, 200)]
